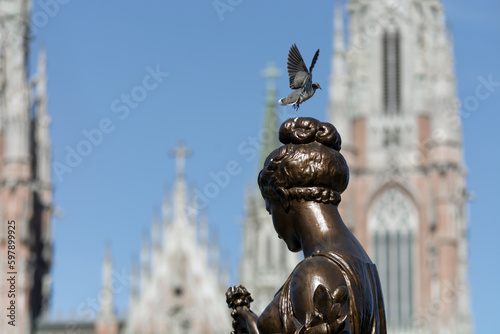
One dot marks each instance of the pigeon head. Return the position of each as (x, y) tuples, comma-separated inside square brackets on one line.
[(316, 86)]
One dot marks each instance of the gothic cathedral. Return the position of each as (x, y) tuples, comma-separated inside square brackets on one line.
[(25, 183), (394, 101)]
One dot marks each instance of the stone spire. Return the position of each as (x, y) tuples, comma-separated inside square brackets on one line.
[(22, 199), (134, 282), (180, 193), (270, 130), (156, 232), (107, 302), (17, 128), (214, 252), (144, 263), (225, 272), (106, 322), (271, 72), (42, 123), (156, 239), (166, 213), (338, 91), (445, 85), (203, 230)]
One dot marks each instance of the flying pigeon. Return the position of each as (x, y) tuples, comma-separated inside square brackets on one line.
[(300, 79)]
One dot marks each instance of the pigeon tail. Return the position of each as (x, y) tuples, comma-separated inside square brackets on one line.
[(295, 105), (286, 101), (283, 103)]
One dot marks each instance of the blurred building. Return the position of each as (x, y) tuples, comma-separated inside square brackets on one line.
[(180, 275), (25, 183), (180, 285), (393, 99)]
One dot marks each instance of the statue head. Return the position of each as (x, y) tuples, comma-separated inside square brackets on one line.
[(308, 167)]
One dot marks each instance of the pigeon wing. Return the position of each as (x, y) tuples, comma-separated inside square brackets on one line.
[(297, 70), (315, 58)]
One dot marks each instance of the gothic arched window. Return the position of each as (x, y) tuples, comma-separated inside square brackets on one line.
[(392, 224), (391, 75)]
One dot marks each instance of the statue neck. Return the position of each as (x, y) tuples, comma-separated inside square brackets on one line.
[(319, 226)]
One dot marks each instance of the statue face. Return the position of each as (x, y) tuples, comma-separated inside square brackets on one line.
[(284, 224)]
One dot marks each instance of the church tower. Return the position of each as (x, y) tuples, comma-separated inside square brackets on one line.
[(394, 101), (182, 285), (25, 181), (266, 261)]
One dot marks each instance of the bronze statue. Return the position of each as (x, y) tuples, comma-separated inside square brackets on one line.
[(336, 288)]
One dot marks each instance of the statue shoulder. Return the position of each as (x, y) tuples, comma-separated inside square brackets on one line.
[(318, 266), (317, 272)]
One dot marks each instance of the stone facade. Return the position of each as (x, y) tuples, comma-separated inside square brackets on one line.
[(394, 101), (25, 183), (182, 284)]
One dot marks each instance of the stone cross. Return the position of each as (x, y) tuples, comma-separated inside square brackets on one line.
[(180, 153), (271, 72)]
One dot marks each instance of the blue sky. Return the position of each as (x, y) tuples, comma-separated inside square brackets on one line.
[(213, 98)]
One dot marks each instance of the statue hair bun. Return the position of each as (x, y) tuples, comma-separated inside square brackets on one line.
[(305, 130)]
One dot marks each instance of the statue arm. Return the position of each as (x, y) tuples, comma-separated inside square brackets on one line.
[(245, 320)]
